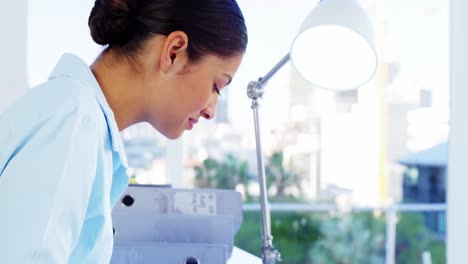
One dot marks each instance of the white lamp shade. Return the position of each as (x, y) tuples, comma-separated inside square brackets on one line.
[(334, 48)]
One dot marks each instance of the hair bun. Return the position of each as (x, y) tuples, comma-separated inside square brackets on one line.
[(111, 22)]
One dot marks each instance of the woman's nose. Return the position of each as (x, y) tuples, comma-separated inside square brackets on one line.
[(210, 110), (207, 114)]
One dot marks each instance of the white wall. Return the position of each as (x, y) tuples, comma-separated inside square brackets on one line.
[(457, 195), (13, 25)]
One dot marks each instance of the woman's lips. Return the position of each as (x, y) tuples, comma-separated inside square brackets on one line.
[(191, 123)]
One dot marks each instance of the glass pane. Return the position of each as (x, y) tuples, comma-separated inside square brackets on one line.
[(320, 237), (420, 235), (384, 143), (380, 145)]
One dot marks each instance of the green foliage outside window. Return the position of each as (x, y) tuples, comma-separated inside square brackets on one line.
[(325, 238)]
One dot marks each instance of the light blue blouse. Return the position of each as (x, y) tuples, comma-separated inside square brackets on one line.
[(62, 169)]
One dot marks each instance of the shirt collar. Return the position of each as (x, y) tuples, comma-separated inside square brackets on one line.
[(74, 67)]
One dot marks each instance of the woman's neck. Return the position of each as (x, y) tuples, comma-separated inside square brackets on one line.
[(120, 85)]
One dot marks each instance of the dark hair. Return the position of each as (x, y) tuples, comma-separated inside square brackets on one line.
[(213, 26)]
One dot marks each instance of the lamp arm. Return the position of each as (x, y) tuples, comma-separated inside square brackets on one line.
[(255, 91), (275, 69), (255, 88)]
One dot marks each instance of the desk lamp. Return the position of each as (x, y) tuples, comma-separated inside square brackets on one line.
[(333, 50)]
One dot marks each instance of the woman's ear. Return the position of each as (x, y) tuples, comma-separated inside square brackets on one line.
[(174, 57)]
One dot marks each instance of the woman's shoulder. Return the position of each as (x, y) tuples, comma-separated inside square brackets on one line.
[(54, 98), (62, 94)]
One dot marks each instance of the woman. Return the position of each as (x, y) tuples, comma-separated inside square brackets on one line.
[(62, 162)]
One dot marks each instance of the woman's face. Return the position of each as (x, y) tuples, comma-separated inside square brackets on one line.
[(192, 94)]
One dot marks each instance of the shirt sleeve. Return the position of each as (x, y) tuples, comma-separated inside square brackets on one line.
[(45, 189)]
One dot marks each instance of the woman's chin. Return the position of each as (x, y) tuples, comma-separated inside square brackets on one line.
[(173, 134), (169, 133)]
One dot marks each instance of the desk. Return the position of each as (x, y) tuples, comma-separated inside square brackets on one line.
[(240, 256)]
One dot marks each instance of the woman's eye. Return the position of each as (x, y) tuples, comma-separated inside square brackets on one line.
[(215, 89)]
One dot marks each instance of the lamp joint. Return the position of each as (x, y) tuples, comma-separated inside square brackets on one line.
[(255, 90)]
